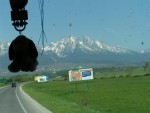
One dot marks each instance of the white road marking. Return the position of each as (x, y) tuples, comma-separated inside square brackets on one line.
[(4, 87), (20, 103)]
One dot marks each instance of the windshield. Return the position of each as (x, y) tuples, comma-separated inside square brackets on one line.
[(75, 41)]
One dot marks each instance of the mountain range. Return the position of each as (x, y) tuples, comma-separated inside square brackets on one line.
[(72, 51), (92, 52)]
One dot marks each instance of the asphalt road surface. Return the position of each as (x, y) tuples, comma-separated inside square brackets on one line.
[(15, 100)]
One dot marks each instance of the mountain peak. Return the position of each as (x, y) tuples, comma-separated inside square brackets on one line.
[(69, 44), (69, 39)]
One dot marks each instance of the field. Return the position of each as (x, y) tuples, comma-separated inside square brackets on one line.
[(107, 95)]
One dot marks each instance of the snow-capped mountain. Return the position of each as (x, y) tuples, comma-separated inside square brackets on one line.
[(72, 50), (68, 45)]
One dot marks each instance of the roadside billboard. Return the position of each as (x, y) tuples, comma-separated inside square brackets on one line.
[(42, 78), (81, 74)]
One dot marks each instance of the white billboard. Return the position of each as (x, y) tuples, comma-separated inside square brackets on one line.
[(81, 74), (43, 78)]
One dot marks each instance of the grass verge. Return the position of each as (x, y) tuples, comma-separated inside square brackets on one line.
[(118, 95)]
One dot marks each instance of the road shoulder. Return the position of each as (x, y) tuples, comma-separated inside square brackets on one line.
[(28, 102)]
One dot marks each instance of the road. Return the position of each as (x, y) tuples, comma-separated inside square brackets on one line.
[(15, 100)]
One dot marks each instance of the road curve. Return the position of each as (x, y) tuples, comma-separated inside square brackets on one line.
[(15, 100)]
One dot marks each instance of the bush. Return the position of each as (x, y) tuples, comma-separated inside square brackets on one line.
[(136, 76), (113, 77), (146, 74), (128, 75), (120, 76)]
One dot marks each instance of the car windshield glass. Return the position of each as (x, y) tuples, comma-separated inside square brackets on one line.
[(104, 44)]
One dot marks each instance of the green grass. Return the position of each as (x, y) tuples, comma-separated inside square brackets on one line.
[(125, 73), (118, 95), (2, 84)]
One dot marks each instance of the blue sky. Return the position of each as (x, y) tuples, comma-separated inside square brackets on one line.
[(124, 23)]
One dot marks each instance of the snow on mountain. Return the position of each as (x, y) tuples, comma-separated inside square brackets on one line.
[(4, 48), (73, 45), (87, 45), (62, 47), (145, 51), (68, 45)]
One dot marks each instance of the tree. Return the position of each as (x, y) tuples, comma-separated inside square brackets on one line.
[(129, 70), (66, 76), (113, 69), (147, 67)]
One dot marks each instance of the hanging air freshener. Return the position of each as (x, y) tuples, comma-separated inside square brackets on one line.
[(24, 54), (18, 14), (22, 50)]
